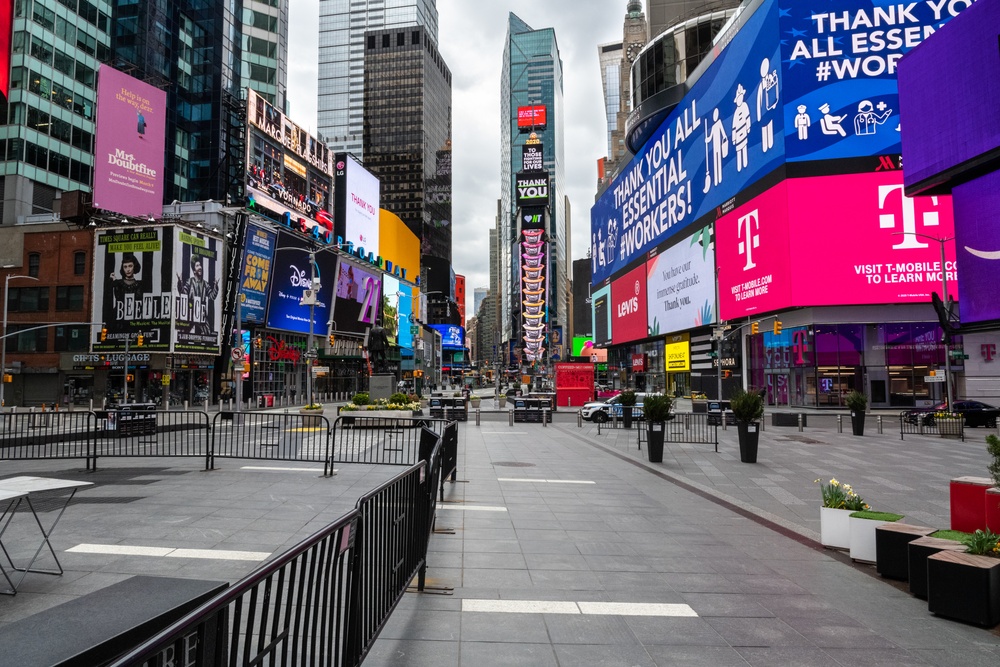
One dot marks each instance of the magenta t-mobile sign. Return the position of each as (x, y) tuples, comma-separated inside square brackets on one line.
[(128, 156)]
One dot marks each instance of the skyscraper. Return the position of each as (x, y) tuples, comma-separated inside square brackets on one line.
[(531, 76), (341, 76)]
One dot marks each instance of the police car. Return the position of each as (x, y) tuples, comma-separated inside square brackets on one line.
[(601, 411)]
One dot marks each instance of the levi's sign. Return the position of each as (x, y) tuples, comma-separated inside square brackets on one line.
[(533, 189)]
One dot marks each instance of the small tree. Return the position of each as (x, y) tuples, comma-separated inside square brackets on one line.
[(747, 406), (857, 401), (993, 447), (627, 398)]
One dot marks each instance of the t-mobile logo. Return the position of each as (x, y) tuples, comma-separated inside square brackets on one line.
[(908, 210), (749, 226)]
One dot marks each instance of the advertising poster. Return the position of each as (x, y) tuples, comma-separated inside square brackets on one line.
[(408, 327), (677, 353), (197, 306), (128, 147), (290, 278), (681, 285), (798, 245), (452, 337), (531, 189), (357, 199), (391, 297), (840, 94), (600, 304), (255, 274), (534, 293), (531, 118), (578, 344), (628, 303), (133, 288), (726, 134), (977, 239), (357, 299)]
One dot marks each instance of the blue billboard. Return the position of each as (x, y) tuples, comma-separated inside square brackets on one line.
[(452, 337), (726, 134), (839, 87), (407, 321), (255, 273), (291, 276)]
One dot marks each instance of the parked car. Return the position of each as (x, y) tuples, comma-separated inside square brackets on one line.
[(601, 411), (975, 413)]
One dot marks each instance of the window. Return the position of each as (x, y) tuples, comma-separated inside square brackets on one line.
[(29, 341), (34, 259), (69, 297), (71, 339), (28, 299), (79, 263)]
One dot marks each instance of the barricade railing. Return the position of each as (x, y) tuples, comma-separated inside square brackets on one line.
[(146, 433), (46, 435), (392, 440), (915, 422), (687, 427), (272, 436)]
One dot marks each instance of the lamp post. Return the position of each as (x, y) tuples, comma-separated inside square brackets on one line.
[(3, 339), (944, 297)]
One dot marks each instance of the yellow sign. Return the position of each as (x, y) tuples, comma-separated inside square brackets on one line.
[(165, 380), (677, 353)]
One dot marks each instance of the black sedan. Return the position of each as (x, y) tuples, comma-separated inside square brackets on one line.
[(975, 413)]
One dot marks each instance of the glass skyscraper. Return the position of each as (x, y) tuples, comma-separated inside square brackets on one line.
[(532, 75), (341, 75)]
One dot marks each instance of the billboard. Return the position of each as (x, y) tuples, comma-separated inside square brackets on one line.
[(358, 298), (798, 245), (391, 297), (408, 327), (534, 293), (600, 305), (6, 33), (531, 189), (290, 277), (255, 272), (578, 344), (680, 285), (197, 306), (677, 353), (357, 197), (532, 157), (129, 145), (977, 239), (839, 68), (726, 134), (289, 173), (452, 337), (628, 304), (531, 117), (133, 288)]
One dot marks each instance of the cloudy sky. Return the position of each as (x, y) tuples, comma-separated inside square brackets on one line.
[(471, 36)]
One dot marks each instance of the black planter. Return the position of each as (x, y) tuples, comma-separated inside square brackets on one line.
[(749, 435), (964, 587), (891, 553), (627, 416), (918, 551), (858, 423), (654, 449)]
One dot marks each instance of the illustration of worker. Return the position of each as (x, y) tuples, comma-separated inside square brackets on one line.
[(741, 128), (830, 124), (802, 122), (611, 242), (140, 123), (867, 121), (767, 100), (716, 137)]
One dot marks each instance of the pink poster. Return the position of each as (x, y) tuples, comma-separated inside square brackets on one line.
[(833, 240), (129, 147), (628, 307)]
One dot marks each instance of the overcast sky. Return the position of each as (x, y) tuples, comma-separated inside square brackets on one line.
[(471, 37)]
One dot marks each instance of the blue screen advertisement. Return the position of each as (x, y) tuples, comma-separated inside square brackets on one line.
[(290, 277), (725, 134), (452, 337), (255, 273), (406, 318), (839, 88)]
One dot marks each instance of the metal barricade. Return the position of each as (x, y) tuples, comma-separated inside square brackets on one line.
[(272, 436)]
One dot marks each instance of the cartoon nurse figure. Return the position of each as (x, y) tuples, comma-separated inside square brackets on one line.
[(767, 99)]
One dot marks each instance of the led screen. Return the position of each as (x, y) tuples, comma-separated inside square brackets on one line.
[(628, 303), (357, 195), (680, 289), (255, 274)]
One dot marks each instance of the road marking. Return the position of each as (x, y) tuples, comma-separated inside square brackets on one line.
[(589, 608), (545, 481), (168, 552), (503, 433), (472, 508), (277, 469)]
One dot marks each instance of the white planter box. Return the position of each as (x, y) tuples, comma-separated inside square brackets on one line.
[(834, 528), (863, 538)]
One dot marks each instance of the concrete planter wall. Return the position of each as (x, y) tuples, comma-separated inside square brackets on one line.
[(863, 538), (834, 528)]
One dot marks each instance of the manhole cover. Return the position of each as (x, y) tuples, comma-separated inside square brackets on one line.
[(513, 464)]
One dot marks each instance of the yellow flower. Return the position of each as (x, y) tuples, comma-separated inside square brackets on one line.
[(834, 482)]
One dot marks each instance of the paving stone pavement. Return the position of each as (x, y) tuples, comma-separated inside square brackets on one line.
[(734, 544)]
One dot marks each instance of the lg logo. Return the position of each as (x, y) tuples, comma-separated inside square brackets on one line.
[(749, 226)]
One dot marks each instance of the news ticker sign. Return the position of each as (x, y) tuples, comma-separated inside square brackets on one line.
[(531, 118)]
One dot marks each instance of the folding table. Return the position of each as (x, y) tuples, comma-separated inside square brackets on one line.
[(16, 490)]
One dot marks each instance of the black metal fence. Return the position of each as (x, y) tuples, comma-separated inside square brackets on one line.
[(325, 601), (271, 436), (682, 427), (47, 435), (914, 422)]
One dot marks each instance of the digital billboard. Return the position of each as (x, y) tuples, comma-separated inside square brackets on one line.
[(289, 172), (600, 306), (532, 157), (726, 134), (133, 288), (452, 337), (390, 309), (358, 298), (680, 285), (197, 306), (6, 32), (357, 196), (578, 344), (531, 118), (292, 275), (531, 189), (408, 327), (839, 67), (798, 245), (628, 304), (129, 145), (534, 292), (255, 272), (977, 239)]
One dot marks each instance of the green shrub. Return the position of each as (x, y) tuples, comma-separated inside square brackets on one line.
[(747, 406), (857, 401), (656, 408), (993, 447), (361, 398), (399, 398), (627, 398), (983, 543)]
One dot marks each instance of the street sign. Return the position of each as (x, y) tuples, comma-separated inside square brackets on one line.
[(320, 370), (239, 368), (933, 378), (237, 353), (165, 380)]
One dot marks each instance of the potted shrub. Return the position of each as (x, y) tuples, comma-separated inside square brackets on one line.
[(747, 408), (839, 502), (627, 400), (502, 398), (993, 495), (965, 586), (475, 401), (857, 403), (862, 526), (312, 415), (657, 410), (949, 424)]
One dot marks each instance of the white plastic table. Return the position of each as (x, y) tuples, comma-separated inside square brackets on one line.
[(17, 490)]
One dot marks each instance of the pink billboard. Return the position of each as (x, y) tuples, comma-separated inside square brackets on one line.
[(834, 240), (129, 147), (628, 307)]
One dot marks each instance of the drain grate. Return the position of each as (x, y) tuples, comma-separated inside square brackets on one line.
[(513, 464), (117, 500), (800, 438)]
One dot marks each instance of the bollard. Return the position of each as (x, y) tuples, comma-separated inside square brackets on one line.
[(91, 405), (545, 417), (879, 421), (511, 417), (579, 418), (477, 417), (840, 423), (185, 405), (724, 420), (800, 422), (763, 418), (206, 405)]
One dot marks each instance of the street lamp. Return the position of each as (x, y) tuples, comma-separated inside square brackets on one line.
[(944, 297), (3, 338)]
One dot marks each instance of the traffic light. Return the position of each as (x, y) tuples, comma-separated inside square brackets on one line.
[(777, 327), (104, 334), (333, 340), (755, 328), (139, 340), (257, 342), (7, 378), (130, 378), (727, 374)]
